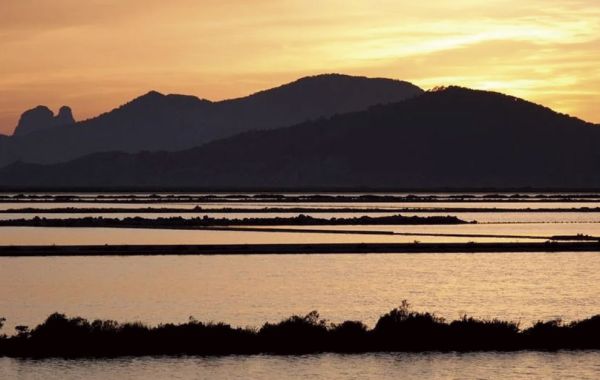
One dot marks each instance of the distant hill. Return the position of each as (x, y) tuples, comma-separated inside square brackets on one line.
[(451, 138), (42, 118), (174, 122)]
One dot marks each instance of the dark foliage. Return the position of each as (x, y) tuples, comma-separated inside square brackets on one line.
[(371, 197), (206, 221), (399, 330)]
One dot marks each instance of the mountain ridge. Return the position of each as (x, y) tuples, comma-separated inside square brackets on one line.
[(453, 138), (173, 122), (41, 118)]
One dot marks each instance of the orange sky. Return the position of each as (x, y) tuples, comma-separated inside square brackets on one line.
[(96, 54)]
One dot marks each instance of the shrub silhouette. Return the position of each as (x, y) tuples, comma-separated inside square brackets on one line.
[(401, 329), (295, 334), (206, 221), (474, 334), (349, 336)]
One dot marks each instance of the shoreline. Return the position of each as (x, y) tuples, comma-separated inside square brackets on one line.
[(209, 222), (399, 330), (277, 249), (291, 210), (295, 197)]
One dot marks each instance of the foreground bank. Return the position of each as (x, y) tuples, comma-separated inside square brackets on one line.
[(318, 248), (399, 330)]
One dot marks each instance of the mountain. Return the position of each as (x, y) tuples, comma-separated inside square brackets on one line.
[(41, 118), (174, 122), (451, 138)]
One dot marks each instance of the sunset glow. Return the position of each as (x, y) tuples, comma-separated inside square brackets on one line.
[(98, 54)]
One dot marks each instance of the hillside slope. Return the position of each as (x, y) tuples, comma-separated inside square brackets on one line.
[(453, 138), (174, 122)]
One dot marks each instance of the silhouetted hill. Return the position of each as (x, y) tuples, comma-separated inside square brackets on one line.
[(42, 118), (174, 122), (452, 138)]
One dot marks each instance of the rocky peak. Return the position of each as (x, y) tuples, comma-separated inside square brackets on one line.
[(65, 116), (41, 117)]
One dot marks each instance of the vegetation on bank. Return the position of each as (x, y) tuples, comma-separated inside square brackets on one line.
[(399, 330), (294, 248), (266, 210), (206, 221), (290, 197)]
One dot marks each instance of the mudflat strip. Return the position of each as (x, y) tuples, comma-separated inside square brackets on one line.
[(324, 248)]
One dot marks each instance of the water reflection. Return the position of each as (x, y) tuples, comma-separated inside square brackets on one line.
[(520, 365), (249, 290)]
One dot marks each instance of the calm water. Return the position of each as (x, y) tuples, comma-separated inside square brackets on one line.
[(390, 205), (480, 217), (522, 365), (542, 225), (95, 236), (250, 290)]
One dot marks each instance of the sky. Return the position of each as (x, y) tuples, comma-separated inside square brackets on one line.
[(94, 55)]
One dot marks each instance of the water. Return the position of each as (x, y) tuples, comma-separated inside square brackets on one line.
[(540, 224), (517, 366), (100, 236), (250, 290), (480, 217), (254, 205)]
